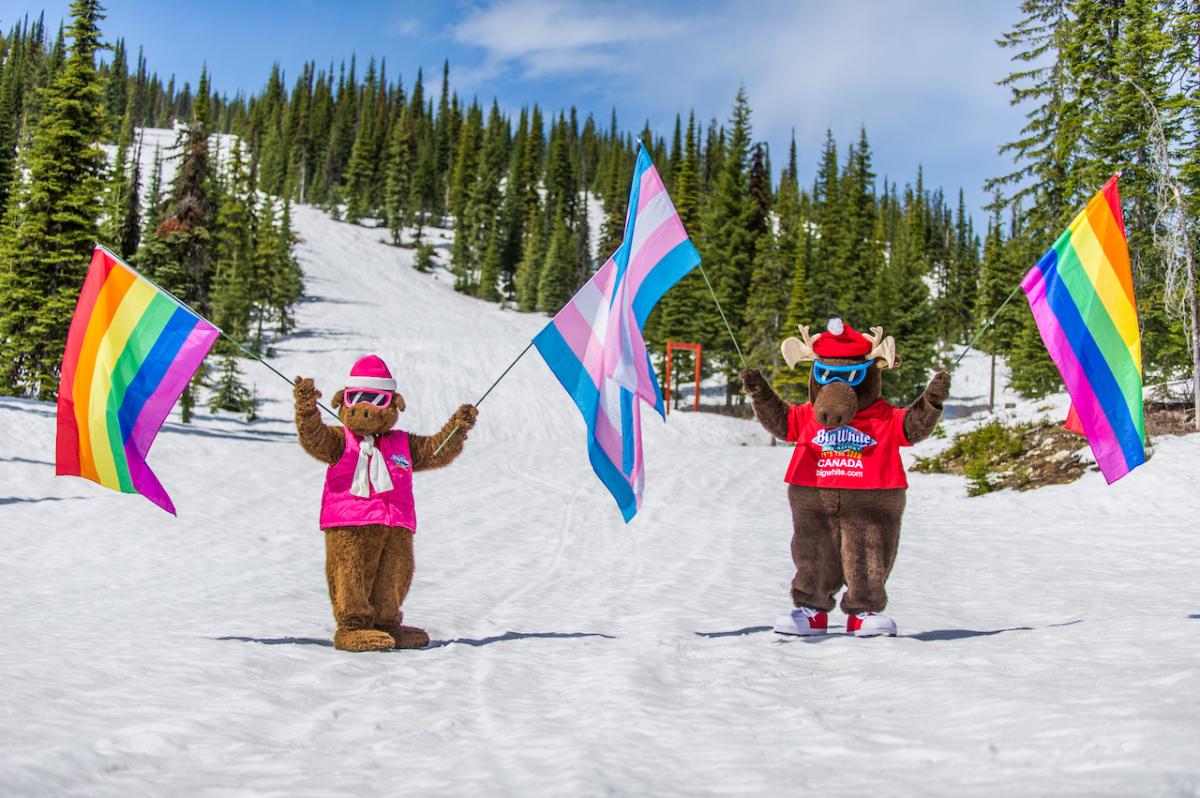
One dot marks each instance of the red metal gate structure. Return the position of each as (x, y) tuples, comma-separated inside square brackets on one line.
[(699, 350)]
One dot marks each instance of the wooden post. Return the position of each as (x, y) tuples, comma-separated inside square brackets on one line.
[(667, 399), (992, 389), (698, 349)]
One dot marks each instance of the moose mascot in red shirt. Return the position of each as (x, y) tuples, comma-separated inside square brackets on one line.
[(846, 483)]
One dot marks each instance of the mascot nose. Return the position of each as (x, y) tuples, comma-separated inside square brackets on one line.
[(829, 420)]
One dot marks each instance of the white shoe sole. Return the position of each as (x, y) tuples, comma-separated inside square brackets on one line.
[(790, 628)]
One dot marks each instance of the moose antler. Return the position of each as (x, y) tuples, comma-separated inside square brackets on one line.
[(796, 350), (882, 349)]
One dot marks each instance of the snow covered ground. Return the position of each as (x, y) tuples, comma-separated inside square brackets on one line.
[(1048, 640)]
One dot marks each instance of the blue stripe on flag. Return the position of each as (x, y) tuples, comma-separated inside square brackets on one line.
[(1094, 365), (616, 482), (673, 267), (621, 256), (659, 405), (571, 375), (568, 369), (627, 432), (158, 360)]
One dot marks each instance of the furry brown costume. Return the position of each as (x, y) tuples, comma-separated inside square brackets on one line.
[(844, 536), (370, 568)]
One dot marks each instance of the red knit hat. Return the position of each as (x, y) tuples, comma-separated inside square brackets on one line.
[(841, 341), (372, 373)]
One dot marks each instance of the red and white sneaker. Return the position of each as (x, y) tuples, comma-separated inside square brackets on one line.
[(869, 624), (803, 622)]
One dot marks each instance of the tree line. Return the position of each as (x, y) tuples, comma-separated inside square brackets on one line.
[(375, 150), (209, 236), (1107, 86)]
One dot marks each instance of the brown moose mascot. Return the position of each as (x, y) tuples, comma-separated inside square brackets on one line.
[(367, 508), (846, 481)]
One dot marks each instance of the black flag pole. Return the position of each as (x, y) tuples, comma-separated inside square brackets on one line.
[(504, 374)]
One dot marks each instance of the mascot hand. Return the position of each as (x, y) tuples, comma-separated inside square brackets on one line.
[(752, 381), (938, 389), (306, 392), (465, 417)]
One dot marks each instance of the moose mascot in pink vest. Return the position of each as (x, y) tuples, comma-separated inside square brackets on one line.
[(367, 508), (846, 483)]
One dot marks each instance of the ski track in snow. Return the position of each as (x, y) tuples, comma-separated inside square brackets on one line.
[(1048, 639)]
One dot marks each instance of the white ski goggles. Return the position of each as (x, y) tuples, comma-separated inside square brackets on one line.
[(368, 396)]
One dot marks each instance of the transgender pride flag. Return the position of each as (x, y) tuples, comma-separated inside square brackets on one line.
[(594, 344)]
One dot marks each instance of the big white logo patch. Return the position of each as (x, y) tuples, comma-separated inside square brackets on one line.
[(841, 451)]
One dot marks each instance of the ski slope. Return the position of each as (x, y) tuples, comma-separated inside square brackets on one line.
[(1048, 640)]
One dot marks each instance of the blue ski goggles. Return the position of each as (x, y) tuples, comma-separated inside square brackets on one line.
[(852, 375)]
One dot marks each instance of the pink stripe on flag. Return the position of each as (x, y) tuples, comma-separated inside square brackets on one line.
[(646, 381), (651, 186), (609, 437), (155, 411), (580, 337), (669, 235), (1099, 432)]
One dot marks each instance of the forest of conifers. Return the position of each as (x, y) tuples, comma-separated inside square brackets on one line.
[(1106, 86)]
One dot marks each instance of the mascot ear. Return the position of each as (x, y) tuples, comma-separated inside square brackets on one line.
[(398, 402), (338, 399)]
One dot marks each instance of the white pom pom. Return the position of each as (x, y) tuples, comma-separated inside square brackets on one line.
[(836, 326)]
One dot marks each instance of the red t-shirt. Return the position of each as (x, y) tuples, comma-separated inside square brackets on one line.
[(863, 454)]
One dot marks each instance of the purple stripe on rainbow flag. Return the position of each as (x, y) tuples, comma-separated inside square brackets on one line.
[(1081, 296), (1095, 423), (144, 366)]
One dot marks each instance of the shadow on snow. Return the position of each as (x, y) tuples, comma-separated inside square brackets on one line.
[(316, 641)]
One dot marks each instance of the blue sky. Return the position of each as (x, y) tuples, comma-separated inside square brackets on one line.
[(919, 74)]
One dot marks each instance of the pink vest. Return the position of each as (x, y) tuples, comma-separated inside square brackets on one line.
[(340, 507)]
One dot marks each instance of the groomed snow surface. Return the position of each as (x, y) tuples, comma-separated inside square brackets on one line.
[(1048, 644)]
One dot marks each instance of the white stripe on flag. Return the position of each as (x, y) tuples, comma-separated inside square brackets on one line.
[(657, 211)]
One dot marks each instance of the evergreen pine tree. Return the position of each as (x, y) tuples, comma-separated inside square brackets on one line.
[(360, 172), (116, 89), (50, 225), (188, 226), (399, 177), (556, 282), (901, 304), (729, 240), (483, 207), (529, 270)]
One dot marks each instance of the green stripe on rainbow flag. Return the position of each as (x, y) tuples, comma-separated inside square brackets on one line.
[(130, 345)]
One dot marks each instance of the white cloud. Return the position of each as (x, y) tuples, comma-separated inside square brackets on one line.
[(547, 37), (402, 28), (919, 74)]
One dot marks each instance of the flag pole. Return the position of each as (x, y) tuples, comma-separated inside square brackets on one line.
[(721, 310), (195, 313), (454, 431), (985, 327)]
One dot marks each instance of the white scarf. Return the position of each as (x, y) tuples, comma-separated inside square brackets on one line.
[(370, 471)]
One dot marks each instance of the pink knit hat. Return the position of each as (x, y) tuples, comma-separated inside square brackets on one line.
[(372, 373)]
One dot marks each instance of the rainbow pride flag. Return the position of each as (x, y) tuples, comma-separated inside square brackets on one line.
[(1081, 294), (130, 352)]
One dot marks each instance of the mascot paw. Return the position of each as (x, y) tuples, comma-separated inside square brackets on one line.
[(752, 380), (408, 636), (306, 391), (465, 417), (362, 640), (939, 389)]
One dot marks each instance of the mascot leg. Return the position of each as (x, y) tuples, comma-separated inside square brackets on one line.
[(392, 582), (815, 547), (351, 561), (870, 536)]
